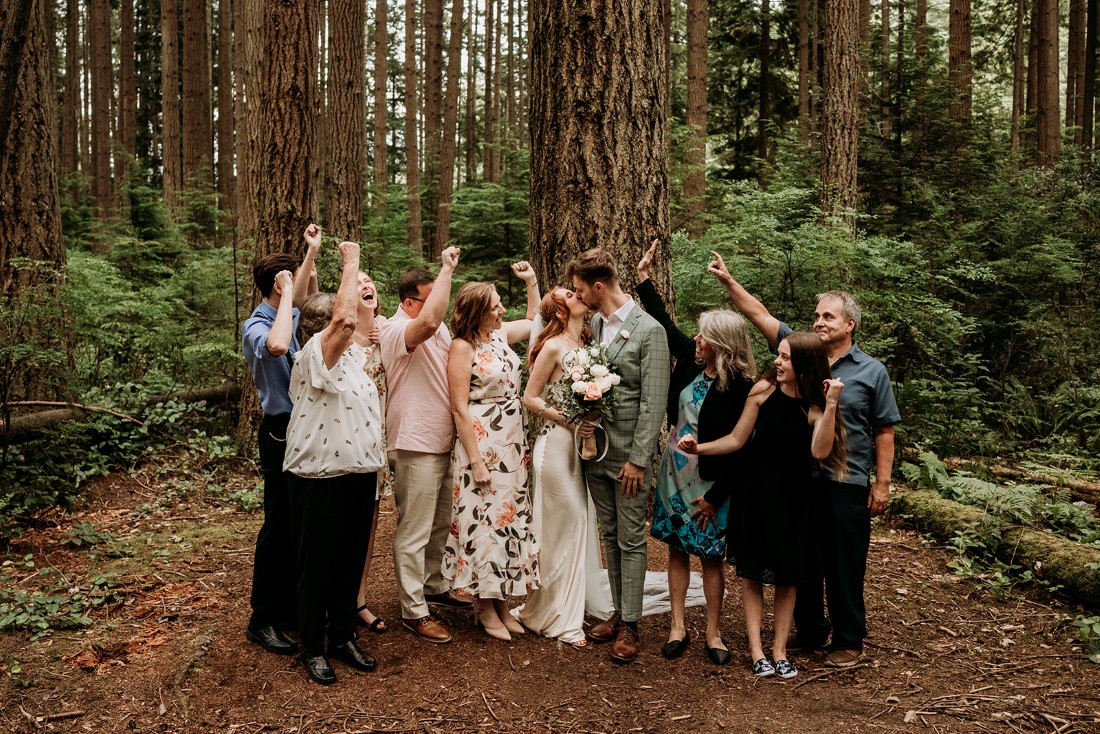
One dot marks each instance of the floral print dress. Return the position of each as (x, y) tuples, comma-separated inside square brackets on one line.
[(377, 373), (491, 550)]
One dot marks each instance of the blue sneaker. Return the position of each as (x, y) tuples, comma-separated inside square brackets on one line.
[(763, 668), (785, 669)]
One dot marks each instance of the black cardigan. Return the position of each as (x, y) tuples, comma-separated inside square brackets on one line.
[(720, 410)]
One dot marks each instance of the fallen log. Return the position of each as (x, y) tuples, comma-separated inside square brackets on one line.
[(27, 427), (1054, 559)]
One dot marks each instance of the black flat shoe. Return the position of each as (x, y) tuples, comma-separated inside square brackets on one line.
[(272, 640), (354, 656), (319, 669), (717, 655), (675, 648)]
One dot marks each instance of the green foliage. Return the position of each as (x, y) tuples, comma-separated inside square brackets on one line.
[(1088, 631), (85, 534), (57, 606)]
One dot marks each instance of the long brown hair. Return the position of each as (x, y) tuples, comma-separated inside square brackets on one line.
[(472, 306), (810, 363), (555, 318)]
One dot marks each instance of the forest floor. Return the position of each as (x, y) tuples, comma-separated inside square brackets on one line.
[(167, 652)]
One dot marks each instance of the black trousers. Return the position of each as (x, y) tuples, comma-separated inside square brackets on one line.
[(335, 516), (273, 568), (839, 547)]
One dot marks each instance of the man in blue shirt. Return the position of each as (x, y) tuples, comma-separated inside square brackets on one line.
[(845, 507), (269, 345)]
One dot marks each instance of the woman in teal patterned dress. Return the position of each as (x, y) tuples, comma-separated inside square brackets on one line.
[(712, 377)]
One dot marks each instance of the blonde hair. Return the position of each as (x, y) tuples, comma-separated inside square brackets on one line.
[(728, 335)]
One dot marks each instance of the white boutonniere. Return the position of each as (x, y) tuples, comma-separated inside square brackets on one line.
[(624, 334)]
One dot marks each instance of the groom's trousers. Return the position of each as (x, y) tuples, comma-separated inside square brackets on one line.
[(622, 527)]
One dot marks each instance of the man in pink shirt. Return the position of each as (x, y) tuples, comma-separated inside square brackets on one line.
[(420, 433)]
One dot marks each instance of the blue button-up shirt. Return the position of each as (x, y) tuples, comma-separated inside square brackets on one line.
[(867, 403), (270, 372)]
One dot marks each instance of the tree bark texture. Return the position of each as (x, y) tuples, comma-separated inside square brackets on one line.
[(764, 132), (30, 216), (198, 126), (489, 139), (599, 153), (1047, 119), (695, 180), (804, 79), (433, 120), (1075, 66), (960, 70), (381, 113), (172, 179), (1092, 25), (469, 139), (288, 103), (1019, 76), (448, 149), (412, 150), (347, 115), (13, 43), (226, 176), (248, 59), (884, 64), (70, 106), (102, 92), (127, 88), (840, 113), (1033, 59)]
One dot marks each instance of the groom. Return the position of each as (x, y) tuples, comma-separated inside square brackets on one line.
[(620, 483)]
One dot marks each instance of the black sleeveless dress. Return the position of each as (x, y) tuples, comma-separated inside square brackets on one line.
[(773, 508)]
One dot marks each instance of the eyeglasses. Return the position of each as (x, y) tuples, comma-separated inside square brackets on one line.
[(414, 298)]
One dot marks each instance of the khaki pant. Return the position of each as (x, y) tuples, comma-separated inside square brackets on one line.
[(422, 489)]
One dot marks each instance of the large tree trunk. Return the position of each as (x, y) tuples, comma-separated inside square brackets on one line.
[(959, 68), (70, 106), (599, 154), (1019, 76), (289, 125), (804, 79), (433, 120), (198, 135), (840, 116), (172, 179), (489, 149), (347, 115), (31, 296), (381, 113), (13, 44), (450, 125), (412, 151), (1075, 67), (469, 139), (764, 146), (225, 106), (102, 93), (1047, 119), (126, 146), (695, 181), (1092, 25), (248, 58), (884, 64), (510, 129)]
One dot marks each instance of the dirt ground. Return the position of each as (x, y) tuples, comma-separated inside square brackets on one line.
[(169, 654)]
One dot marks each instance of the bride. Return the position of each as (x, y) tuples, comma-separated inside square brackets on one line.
[(569, 560)]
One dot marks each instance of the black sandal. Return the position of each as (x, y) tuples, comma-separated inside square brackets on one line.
[(378, 626)]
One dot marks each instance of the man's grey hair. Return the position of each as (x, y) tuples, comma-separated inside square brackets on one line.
[(852, 311)]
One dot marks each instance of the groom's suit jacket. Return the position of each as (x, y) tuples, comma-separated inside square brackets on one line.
[(639, 354)]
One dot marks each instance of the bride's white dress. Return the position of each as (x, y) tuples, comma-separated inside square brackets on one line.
[(569, 558)]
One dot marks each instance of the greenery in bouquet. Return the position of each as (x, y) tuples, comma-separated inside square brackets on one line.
[(586, 384)]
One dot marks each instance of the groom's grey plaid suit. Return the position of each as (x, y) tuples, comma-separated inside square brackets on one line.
[(640, 357)]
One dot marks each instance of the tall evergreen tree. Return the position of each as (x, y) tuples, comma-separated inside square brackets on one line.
[(347, 117)]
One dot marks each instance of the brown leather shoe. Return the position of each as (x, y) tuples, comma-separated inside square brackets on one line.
[(625, 647), (607, 630), (427, 629), (842, 658)]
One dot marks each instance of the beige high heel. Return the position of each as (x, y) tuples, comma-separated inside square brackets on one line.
[(505, 616), (498, 632)]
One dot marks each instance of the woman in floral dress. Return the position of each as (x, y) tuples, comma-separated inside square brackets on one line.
[(491, 552)]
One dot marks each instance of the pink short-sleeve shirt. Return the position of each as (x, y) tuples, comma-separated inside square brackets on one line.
[(418, 407)]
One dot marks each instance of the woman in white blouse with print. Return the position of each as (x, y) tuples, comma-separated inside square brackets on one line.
[(334, 451)]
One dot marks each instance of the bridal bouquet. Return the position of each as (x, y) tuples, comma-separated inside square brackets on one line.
[(585, 389)]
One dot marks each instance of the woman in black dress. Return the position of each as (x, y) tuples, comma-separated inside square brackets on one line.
[(793, 410)]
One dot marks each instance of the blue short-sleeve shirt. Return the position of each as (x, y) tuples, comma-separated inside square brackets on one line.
[(270, 372), (866, 404)]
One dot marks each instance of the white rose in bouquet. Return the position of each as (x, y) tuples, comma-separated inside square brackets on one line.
[(599, 370), (604, 383), (583, 357), (614, 379), (579, 387)]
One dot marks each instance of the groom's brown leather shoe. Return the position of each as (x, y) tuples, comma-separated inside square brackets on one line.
[(607, 630), (625, 647)]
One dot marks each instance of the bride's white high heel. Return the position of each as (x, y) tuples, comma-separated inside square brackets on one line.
[(485, 616)]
